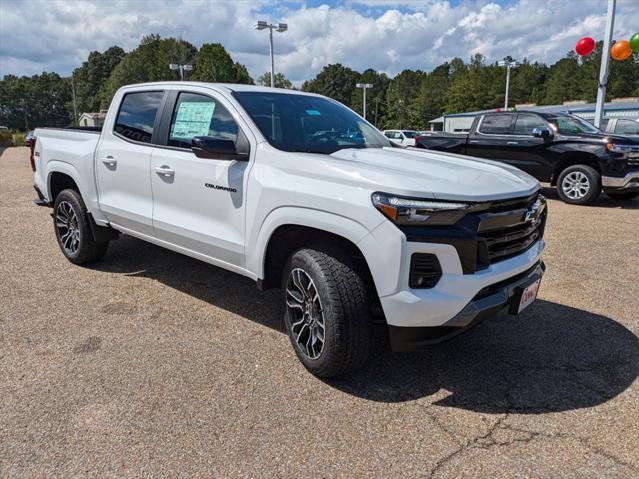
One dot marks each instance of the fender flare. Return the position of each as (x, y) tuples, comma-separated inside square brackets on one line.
[(339, 225), (57, 166)]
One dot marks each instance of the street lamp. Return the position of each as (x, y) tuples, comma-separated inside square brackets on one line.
[(182, 68), (364, 87), (280, 27), (508, 66)]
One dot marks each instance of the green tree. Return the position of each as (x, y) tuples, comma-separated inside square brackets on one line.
[(214, 64), (401, 109), (89, 78), (280, 80), (375, 96), (148, 62), (335, 81)]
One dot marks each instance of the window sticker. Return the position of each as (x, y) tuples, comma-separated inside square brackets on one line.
[(193, 119), (313, 113)]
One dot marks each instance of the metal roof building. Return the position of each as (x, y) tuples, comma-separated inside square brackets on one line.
[(617, 108)]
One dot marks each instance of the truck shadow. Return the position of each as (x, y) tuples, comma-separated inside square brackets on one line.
[(552, 358), (604, 201)]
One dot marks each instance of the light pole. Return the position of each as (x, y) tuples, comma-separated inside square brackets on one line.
[(280, 27), (364, 87), (508, 66), (182, 68), (605, 61)]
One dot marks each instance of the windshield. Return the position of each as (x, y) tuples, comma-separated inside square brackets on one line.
[(571, 125), (410, 134), (309, 124)]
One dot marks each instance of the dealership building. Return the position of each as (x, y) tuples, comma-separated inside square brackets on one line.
[(617, 108)]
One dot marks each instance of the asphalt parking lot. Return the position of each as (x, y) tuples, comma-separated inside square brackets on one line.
[(150, 363)]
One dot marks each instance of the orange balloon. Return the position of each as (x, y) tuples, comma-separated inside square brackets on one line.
[(621, 50)]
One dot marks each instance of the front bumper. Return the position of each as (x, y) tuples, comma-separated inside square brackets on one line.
[(624, 183), (487, 302)]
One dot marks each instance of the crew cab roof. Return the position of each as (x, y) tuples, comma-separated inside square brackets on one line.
[(230, 87)]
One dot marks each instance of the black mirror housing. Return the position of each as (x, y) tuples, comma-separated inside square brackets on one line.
[(542, 133), (215, 148)]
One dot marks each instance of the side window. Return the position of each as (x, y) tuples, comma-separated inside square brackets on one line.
[(525, 124), (627, 127), (199, 115), (388, 134), (398, 136), (137, 115), (496, 124)]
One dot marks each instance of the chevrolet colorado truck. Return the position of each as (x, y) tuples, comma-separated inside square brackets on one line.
[(573, 155), (297, 192)]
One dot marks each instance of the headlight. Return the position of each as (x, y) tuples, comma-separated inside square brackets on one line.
[(408, 211), (616, 148)]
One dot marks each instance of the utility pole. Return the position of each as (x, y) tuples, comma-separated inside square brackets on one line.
[(181, 68), (605, 63), (75, 106), (280, 27), (508, 66), (364, 87)]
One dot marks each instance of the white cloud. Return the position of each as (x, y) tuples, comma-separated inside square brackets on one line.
[(387, 35)]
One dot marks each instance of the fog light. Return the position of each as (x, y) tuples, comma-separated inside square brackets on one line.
[(425, 271)]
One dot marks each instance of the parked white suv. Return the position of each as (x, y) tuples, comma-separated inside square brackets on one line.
[(401, 137), (297, 191)]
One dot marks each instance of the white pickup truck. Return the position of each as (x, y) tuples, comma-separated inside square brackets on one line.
[(296, 191)]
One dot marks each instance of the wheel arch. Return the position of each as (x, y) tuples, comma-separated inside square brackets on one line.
[(288, 229), (61, 176), (571, 159)]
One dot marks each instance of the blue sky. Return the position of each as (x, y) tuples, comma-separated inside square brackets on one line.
[(387, 35)]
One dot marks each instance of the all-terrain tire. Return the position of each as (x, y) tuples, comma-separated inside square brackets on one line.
[(342, 298), (72, 229)]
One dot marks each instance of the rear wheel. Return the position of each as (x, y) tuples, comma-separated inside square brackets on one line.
[(327, 316), (72, 229), (629, 195), (579, 185)]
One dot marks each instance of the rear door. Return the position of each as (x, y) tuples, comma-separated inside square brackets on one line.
[(489, 139), (199, 203), (527, 152), (123, 161)]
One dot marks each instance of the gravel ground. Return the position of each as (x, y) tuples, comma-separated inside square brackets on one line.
[(154, 364)]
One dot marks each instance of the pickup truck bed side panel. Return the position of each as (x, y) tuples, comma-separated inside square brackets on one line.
[(52, 146)]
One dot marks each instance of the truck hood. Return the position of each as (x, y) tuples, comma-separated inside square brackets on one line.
[(421, 173)]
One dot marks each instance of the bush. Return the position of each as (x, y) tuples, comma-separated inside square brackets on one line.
[(17, 138), (6, 138)]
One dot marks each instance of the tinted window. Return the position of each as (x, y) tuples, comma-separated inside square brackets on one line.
[(571, 125), (199, 115), (627, 127), (304, 123), (525, 124), (137, 115), (388, 134), (410, 134), (496, 124)]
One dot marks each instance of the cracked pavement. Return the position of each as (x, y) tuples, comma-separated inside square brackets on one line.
[(154, 364)]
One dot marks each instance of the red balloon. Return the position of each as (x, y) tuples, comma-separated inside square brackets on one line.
[(585, 46)]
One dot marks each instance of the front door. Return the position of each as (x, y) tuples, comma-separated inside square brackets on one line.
[(123, 162), (527, 152), (199, 203)]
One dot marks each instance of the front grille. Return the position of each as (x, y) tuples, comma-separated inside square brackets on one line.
[(502, 236), (425, 270), (494, 231)]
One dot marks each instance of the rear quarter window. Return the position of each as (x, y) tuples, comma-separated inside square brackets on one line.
[(496, 124), (137, 115)]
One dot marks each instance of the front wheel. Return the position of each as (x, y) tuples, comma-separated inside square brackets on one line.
[(73, 231), (579, 185), (628, 195), (327, 316)]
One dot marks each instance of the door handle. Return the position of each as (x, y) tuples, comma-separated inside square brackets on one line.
[(473, 141), (165, 171), (512, 143), (110, 161)]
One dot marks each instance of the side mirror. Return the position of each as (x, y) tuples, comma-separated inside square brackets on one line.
[(541, 133), (215, 148)]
